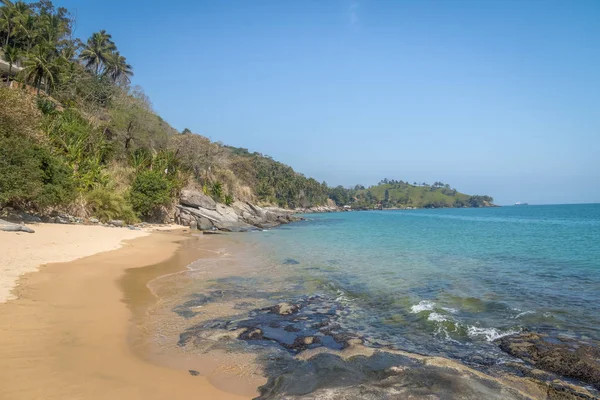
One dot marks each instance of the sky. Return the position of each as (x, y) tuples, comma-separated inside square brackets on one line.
[(493, 97)]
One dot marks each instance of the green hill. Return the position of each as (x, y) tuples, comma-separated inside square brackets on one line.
[(400, 194)]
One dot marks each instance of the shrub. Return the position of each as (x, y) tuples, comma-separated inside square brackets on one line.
[(228, 200), (105, 204), (31, 176), (217, 191), (150, 190)]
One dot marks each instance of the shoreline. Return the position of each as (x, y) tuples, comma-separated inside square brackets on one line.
[(23, 253), (88, 329), (70, 328)]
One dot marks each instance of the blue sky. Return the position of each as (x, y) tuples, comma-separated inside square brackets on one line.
[(493, 97)]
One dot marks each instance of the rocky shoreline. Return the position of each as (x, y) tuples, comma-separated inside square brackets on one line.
[(307, 354)]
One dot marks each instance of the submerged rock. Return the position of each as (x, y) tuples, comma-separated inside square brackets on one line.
[(562, 356), (285, 309)]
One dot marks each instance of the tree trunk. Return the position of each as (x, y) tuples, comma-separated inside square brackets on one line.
[(9, 71), (7, 36)]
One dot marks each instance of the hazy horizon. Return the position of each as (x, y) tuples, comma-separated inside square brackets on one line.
[(498, 98)]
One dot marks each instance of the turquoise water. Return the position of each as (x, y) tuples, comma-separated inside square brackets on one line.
[(449, 281)]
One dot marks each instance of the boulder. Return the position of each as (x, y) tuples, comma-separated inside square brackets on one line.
[(193, 224), (204, 224), (194, 198), (116, 222), (10, 227)]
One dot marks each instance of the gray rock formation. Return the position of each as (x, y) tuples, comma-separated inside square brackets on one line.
[(198, 209), (10, 227), (194, 198)]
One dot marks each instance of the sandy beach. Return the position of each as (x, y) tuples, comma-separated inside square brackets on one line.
[(66, 330)]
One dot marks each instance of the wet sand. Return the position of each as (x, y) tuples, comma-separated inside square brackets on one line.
[(70, 335)]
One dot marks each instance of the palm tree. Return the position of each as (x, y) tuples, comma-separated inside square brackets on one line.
[(97, 51), (7, 17), (12, 16), (30, 30), (11, 56), (41, 66), (117, 68)]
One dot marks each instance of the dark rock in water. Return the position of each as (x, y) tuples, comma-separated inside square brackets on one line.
[(193, 372), (290, 261), (252, 334), (563, 356), (285, 309)]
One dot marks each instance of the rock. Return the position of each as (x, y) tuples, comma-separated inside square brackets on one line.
[(94, 220), (10, 227), (204, 224), (285, 309), (116, 222), (193, 372), (194, 198), (252, 334), (563, 356), (193, 224)]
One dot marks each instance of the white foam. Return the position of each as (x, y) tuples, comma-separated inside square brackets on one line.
[(436, 317), (490, 334), (424, 305)]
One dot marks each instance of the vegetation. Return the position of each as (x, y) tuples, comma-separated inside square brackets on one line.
[(400, 194), (76, 136)]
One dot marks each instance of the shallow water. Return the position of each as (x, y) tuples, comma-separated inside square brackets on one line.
[(460, 277), (435, 282)]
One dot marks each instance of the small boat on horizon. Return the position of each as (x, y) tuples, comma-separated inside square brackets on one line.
[(518, 203)]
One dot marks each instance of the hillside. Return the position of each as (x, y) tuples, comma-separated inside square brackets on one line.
[(400, 194), (76, 137)]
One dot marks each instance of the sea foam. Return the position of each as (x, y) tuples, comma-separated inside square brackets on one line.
[(424, 305)]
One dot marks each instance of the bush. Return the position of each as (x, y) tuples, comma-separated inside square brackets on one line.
[(31, 176), (150, 190), (106, 204)]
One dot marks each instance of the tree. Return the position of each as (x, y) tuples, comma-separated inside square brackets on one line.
[(8, 18), (11, 56), (386, 198), (117, 68), (97, 52), (41, 66)]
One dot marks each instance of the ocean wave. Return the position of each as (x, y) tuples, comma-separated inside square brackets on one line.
[(424, 305), (519, 315), (490, 334)]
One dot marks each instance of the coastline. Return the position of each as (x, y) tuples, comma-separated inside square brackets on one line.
[(91, 329), (69, 329)]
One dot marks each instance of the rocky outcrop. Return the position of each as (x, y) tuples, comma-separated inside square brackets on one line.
[(197, 209), (563, 356), (194, 198)]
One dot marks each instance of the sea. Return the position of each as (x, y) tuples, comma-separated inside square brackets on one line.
[(441, 282)]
